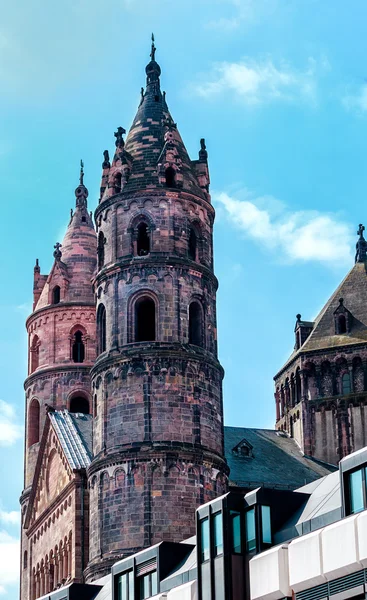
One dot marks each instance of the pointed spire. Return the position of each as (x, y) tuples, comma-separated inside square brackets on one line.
[(81, 192), (153, 71), (361, 245), (153, 50)]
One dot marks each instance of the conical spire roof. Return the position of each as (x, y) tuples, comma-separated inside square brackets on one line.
[(152, 135), (76, 257)]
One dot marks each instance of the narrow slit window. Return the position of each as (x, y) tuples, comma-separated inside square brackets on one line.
[(218, 533), (342, 324), (170, 177), (235, 518), (204, 539), (100, 249), (33, 423), (346, 386), (144, 320), (117, 183), (101, 329), (193, 243), (143, 240), (78, 350), (250, 531), (195, 324), (56, 295)]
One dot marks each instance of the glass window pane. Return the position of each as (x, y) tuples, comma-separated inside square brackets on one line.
[(236, 532), (356, 491), (250, 530), (154, 583), (204, 535), (122, 595), (266, 524), (218, 533), (131, 585)]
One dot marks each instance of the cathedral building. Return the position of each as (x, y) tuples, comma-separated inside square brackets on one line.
[(321, 391), (124, 411)]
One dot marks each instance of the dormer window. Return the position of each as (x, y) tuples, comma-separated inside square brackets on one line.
[(56, 295), (342, 319), (243, 449), (170, 177)]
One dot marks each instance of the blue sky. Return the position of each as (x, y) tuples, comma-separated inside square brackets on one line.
[(279, 90)]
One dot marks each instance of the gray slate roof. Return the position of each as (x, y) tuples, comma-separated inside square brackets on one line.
[(74, 431), (276, 461)]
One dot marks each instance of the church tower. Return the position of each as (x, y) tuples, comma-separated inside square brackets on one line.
[(62, 350), (156, 382), (321, 391)]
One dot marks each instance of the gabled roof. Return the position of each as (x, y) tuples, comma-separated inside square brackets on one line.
[(74, 431), (353, 290), (276, 460)]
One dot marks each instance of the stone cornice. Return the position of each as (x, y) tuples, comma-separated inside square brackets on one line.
[(154, 193), (54, 308), (57, 370), (142, 452)]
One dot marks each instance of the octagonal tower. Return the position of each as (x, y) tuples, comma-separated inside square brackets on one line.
[(157, 381)]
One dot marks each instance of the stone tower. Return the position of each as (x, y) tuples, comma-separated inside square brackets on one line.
[(157, 382), (321, 391), (62, 350)]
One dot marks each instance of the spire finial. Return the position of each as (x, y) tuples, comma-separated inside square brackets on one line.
[(153, 50), (119, 139), (57, 253), (81, 178), (361, 245)]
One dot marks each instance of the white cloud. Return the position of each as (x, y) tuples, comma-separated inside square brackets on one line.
[(9, 561), (255, 82), (10, 430), (293, 236), (356, 101), (10, 518)]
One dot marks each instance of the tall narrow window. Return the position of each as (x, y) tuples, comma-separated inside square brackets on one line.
[(101, 328), (342, 324), (56, 295), (34, 352), (144, 320), (117, 183), (218, 533), (195, 324), (250, 530), (266, 524), (143, 240), (356, 491), (235, 519), (79, 404), (125, 586), (346, 387), (100, 250), (25, 559), (78, 350), (204, 539), (33, 422), (170, 177), (193, 243)]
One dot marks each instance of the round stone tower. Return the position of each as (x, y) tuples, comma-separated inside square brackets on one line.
[(157, 382)]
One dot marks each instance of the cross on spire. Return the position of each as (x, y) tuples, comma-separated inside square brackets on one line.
[(361, 245), (361, 230), (153, 51), (57, 253)]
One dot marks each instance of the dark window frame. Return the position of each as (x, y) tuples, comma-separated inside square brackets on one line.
[(347, 489)]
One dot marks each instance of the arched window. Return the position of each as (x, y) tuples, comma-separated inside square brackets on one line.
[(35, 353), (79, 404), (78, 350), (170, 177), (25, 559), (195, 324), (117, 183), (143, 240), (33, 422), (193, 244), (56, 295), (144, 320), (100, 249), (346, 387), (298, 386), (101, 329), (342, 324)]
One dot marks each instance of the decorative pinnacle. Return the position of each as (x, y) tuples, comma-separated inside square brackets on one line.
[(361, 245), (119, 139), (81, 178), (57, 253), (298, 317), (154, 49)]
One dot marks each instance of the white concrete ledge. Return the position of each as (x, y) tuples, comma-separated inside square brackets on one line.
[(187, 591), (305, 562), (340, 548), (269, 577)]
